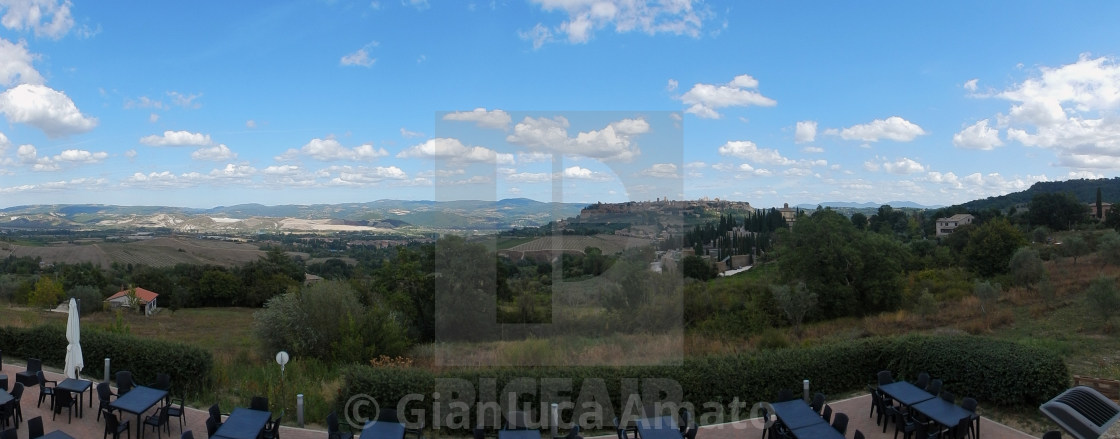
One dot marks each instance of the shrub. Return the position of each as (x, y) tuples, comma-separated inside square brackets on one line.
[(1102, 297), (188, 366)]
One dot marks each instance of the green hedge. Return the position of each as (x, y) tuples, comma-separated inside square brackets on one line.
[(189, 366), (992, 371)]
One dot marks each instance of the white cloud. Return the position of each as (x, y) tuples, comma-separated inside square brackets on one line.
[(585, 17), (47, 18), (29, 155), (15, 65), (44, 108), (661, 170), (443, 148), (131, 154), (216, 153), (529, 177), (81, 156), (581, 173), (331, 150), (495, 119), (153, 118), (55, 186), (978, 136), (177, 138), (365, 176), (812, 149), (250, 124), (806, 131), (360, 57), (410, 134), (746, 170), (747, 150), (672, 85), (695, 165), (233, 172), (185, 100), (904, 166), (893, 128), (533, 157), (705, 99), (970, 84), (144, 102), (871, 166), (613, 142), (420, 5)]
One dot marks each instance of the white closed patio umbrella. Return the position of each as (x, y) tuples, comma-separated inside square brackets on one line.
[(74, 360)]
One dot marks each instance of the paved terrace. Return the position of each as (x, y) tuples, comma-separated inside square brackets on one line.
[(88, 427)]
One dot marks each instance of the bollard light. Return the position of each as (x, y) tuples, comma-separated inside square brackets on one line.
[(299, 409), (554, 421), (106, 370), (805, 386)]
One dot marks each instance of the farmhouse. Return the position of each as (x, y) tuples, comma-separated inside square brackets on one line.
[(946, 226), (145, 300)]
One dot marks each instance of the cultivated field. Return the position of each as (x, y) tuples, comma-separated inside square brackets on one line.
[(157, 252)]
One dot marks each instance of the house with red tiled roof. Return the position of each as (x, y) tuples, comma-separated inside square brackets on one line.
[(145, 300)]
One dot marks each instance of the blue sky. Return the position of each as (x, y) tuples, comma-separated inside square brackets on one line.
[(202, 104)]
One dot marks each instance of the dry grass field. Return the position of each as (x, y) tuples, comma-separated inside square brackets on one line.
[(157, 252)]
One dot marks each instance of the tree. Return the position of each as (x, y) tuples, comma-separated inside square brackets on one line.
[(1074, 247), (1058, 211), (1040, 234), (1026, 267), (1112, 219), (991, 246), (852, 272), (698, 268), (795, 301), (89, 298), (859, 220), (1102, 297), (987, 292), (47, 293), (1098, 212), (1108, 248)]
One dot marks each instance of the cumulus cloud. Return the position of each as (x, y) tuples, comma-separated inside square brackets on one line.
[(443, 148), (46, 18), (661, 170), (360, 57), (616, 141), (363, 175), (56, 186), (584, 18), (185, 100), (978, 136), (29, 155), (747, 150), (15, 65), (216, 153), (671, 85), (495, 119), (892, 128), (331, 150), (177, 138), (410, 134), (46, 109), (812, 149), (704, 99), (529, 177), (581, 173), (904, 166), (970, 84), (806, 131)]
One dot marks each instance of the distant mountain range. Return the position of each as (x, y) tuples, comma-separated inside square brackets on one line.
[(395, 215), (867, 205)]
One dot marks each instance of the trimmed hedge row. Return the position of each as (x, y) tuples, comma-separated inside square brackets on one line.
[(992, 371), (189, 366)]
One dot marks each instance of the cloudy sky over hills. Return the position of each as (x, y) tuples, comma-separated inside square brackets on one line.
[(202, 104)]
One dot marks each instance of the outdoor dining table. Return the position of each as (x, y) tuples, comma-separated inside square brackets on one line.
[(5, 397), (661, 427), (387, 430), (942, 412), (905, 393), (137, 401), (820, 430), (796, 414), (76, 386), (3, 381), (243, 423), (57, 434)]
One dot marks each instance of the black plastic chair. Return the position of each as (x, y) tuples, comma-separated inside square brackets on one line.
[(923, 380), (177, 411), (8, 414), (259, 403), (104, 395), (884, 377), (114, 426), (124, 382), (948, 396), (272, 429), (333, 431), (44, 391), (858, 435), (840, 423), (63, 399), (970, 404), (212, 425), (818, 402), (934, 387), (35, 427), (29, 376), (960, 430), (189, 434), (216, 413), (158, 420), (390, 415), (826, 413), (163, 382), (1052, 434), (17, 397)]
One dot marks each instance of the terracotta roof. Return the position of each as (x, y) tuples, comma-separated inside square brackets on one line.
[(145, 296)]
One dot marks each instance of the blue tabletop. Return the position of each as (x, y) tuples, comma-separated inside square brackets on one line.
[(74, 385), (822, 431), (5, 397), (905, 393), (942, 411), (383, 430), (519, 434), (57, 434), (661, 427), (243, 423), (796, 414), (138, 400)]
